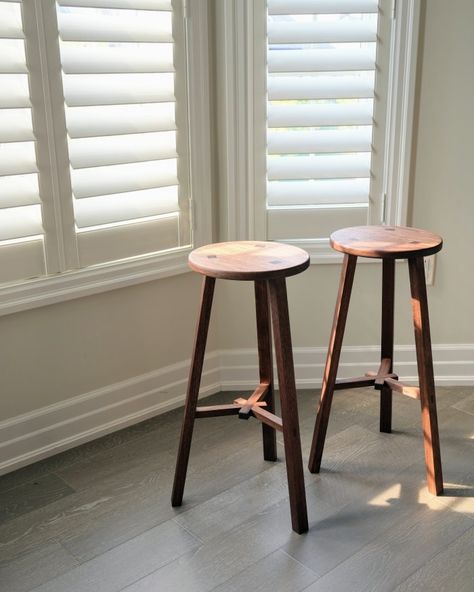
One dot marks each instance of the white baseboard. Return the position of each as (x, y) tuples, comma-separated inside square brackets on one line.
[(41, 433), (453, 365)]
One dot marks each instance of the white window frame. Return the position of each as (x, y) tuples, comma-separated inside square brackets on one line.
[(240, 52), (101, 278)]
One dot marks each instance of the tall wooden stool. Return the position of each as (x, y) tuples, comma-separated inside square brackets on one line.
[(267, 265), (387, 243)]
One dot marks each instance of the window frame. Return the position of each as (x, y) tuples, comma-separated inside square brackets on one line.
[(67, 285), (241, 51)]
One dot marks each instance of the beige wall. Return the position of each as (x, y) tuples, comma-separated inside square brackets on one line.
[(56, 352)]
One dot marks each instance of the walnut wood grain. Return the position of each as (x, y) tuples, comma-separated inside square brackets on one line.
[(289, 405), (405, 389), (332, 362), (194, 382), (386, 366), (265, 363), (395, 242), (350, 383), (248, 260), (258, 393), (268, 419), (429, 418)]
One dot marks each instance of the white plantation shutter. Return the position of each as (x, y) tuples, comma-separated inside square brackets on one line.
[(321, 61), (124, 90), (21, 228)]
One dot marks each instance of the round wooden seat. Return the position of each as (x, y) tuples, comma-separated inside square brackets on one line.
[(248, 260), (391, 242)]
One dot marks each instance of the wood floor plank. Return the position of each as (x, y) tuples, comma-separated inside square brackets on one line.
[(29, 496), (113, 570), (229, 509), (403, 547), (33, 569), (374, 489), (115, 509), (451, 569), (466, 404), (277, 572), (223, 556)]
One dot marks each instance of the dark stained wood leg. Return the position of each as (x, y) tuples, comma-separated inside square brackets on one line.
[(289, 406), (193, 391), (388, 297), (264, 339), (426, 375), (332, 362)]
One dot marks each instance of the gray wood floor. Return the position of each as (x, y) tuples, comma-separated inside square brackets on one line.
[(98, 517)]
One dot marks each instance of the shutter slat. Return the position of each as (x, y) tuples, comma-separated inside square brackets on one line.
[(14, 91), (12, 57), (322, 6), (320, 60), (17, 158), (324, 166), (121, 178), (20, 222), (19, 190), (118, 89), (314, 115), (85, 122), (311, 223), (95, 58), (128, 240), (320, 87), (21, 228), (321, 32), (95, 211), (307, 142), (129, 27), (90, 152), (10, 21), (130, 4), (326, 191), (16, 125)]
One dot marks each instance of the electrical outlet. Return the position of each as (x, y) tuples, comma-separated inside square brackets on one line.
[(430, 262)]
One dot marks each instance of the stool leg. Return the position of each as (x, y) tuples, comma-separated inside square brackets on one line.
[(264, 339), (193, 391), (289, 407), (424, 360), (388, 296), (332, 362)]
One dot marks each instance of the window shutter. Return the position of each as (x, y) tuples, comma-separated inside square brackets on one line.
[(321, 59), (124, 90), (21, 228)]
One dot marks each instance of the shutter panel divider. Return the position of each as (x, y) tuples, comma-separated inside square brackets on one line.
[(47, 95)]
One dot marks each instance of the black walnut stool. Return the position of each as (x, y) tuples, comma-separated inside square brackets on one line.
[(267, 265), (387, 243)]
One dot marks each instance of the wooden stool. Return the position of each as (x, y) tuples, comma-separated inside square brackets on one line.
[(387, 243), (267, 264)]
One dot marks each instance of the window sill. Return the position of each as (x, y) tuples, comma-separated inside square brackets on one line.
[(93, 280)]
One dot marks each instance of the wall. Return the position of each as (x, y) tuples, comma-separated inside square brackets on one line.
[(75, 370)]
